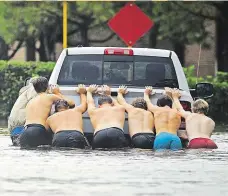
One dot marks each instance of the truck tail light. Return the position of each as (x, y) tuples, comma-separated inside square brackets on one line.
[(118, 51), (187, 107)]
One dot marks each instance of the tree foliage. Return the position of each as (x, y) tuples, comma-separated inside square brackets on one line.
[(179, 22), (179, 25)]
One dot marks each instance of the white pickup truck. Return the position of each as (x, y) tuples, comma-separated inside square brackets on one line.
[(133, 67)]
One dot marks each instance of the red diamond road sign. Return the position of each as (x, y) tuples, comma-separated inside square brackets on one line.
[(130, 23)]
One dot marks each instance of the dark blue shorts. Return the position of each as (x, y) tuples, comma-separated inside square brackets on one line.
[(15, 134), (143, 140), (70, 139), (35, 135), (112, 137), (165, 140)]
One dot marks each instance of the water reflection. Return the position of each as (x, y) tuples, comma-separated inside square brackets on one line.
[(48, 171)]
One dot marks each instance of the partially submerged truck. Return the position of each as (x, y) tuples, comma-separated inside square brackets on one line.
[(133, 67)]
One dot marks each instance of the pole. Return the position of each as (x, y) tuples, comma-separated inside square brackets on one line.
[(198, 64), (64, 24)]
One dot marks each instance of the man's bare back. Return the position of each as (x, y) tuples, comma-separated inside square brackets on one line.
[(140, 120), (67, 123), (70, 119), (199, 127), (167, 122), (35, 114), (38, 109), (166, 119), (107, 120), (35, 131), (107, 117)]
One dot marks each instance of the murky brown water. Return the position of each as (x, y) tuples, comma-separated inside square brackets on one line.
[(46, 172)]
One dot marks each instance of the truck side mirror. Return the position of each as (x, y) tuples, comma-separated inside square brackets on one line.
[(204, 90)]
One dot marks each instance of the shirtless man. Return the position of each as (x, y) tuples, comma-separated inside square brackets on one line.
[(37, 111), (107, 120), (167, 122), (16, 119), (141, 121), (199, 127), (67, 124)]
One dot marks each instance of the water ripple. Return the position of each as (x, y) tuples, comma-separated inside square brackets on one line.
[(47, 171)]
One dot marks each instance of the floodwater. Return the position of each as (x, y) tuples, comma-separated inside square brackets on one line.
[(46, 172)]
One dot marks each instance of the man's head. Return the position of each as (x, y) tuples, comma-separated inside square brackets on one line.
[(61, 105), (104, 99), (200, 106), (139, 103), (164, 101), (40, 84)]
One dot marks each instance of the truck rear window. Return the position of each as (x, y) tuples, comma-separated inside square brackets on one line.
[(116, 70)]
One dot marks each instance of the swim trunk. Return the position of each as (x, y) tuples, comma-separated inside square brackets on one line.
[(165, 140), (35, 135), (202, 143), (112, 137), (143, 140), (15, 134), (70, 139)]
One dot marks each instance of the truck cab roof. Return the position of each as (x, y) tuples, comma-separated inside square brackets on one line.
[(136, 51)]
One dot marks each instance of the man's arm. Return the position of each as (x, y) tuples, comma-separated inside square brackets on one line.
[(115, 102), (150, 106), (212, 124), (83, 106), (176, 103), (123, 90), (57, 95), (107, 91), (81, 90), (90, 100)]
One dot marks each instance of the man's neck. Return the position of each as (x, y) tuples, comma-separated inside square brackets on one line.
[(200, 113), (105, 105), (41, 93)]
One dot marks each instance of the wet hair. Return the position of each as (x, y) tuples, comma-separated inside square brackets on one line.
[(200, 106), (61, 103), (164, 100), (104, 99), (40, 84), (139, 103)]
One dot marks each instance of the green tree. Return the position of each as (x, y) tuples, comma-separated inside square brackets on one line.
[(177, 25), (29, 22), (215, 11)]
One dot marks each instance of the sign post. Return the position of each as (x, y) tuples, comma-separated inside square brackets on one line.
[(64, 24)]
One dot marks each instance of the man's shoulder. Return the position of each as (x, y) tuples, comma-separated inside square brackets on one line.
[(139, 110), (119, 107), (210, 120), (47, 96)]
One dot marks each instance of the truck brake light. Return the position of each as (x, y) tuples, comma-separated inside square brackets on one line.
[(186, 105), (118, 51)]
